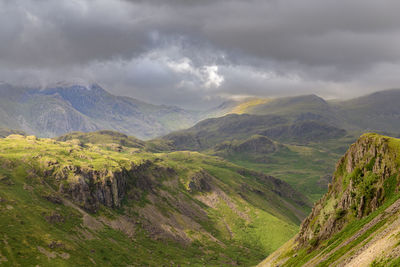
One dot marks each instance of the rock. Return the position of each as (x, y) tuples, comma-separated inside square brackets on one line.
[(324, 181), (53, 198), (6, 180), (200, 182), (55, 217), (92, 188), (56, 244)]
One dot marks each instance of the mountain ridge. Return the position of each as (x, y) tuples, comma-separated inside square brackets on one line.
[(55, 111)]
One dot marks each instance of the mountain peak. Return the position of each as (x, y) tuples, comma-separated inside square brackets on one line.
[(71, 83)]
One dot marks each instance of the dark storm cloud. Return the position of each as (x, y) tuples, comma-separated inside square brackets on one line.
[(186, 51)]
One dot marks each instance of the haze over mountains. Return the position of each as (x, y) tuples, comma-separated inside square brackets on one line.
[(61, 109), (58, 110)]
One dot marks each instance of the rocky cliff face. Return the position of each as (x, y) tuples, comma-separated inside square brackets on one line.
[(90, 188), (363, 180)]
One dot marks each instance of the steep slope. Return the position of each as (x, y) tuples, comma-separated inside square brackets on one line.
[(91, 205), (357, 222), (64, 108)]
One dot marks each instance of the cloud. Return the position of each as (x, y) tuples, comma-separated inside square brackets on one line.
[(190, 53)]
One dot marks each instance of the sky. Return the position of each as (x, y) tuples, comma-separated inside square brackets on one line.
[(197, 53)]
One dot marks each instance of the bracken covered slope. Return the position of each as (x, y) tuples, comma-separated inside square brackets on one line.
[(75, 203), (357, 222)]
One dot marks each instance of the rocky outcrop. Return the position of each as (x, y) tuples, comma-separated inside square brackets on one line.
[(365, 177), (200, 182), (93, 188), (90, 188)]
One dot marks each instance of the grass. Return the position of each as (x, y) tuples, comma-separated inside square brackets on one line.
[(248, 104), (245, 225), (300, 166)]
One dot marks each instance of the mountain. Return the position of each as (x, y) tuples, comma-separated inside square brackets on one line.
[(210, 132), (61, 109), (356, 223), (378, 112), (91, 200), (305, 107), (375, 112)]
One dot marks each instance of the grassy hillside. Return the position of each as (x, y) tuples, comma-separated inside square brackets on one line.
[(246, 105), (378, 112), (357, 222), (104, 137), (296, 106), (307, 168), (72, 203)]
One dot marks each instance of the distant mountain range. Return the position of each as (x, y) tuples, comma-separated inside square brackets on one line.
[(299, 119), (61, 109), (379, 111)]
